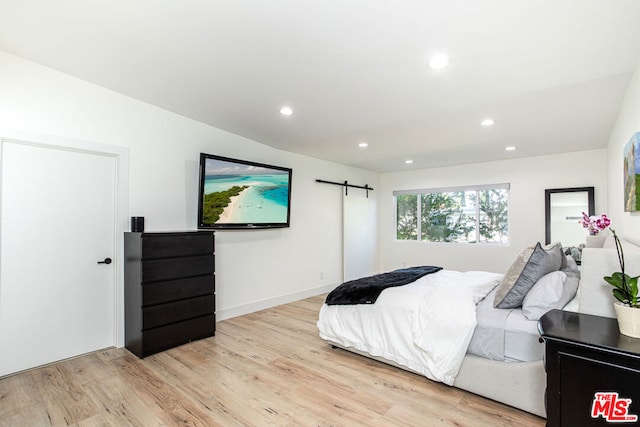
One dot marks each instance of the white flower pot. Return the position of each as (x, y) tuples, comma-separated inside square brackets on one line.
[(628, 319), (595, 241)]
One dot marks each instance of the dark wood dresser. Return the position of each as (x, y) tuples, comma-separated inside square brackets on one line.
[(593, 371), (169, 281)]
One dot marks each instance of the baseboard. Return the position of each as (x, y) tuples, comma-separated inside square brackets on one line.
[(228, 313)]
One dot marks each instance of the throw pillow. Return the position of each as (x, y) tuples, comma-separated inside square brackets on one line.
[(525, 271), (552, 291), (557, 246)]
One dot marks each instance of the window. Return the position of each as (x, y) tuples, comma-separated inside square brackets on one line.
[(477, 214)]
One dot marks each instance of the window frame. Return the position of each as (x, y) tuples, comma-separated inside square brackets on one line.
[(466, 188)]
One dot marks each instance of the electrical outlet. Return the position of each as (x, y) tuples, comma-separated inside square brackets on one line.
[(321, 275)]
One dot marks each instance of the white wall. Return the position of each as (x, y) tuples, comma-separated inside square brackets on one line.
[(625, 223), (528, 177), (255, 269)]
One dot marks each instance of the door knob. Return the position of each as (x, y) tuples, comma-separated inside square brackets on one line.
[(106, 261)]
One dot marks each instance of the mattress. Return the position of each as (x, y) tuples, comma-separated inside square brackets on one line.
[(505, 334), (416, 325)]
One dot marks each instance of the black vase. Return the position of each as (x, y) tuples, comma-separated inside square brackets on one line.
[(137, 224)]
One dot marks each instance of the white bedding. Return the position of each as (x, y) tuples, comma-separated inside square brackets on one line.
[(426, 325)]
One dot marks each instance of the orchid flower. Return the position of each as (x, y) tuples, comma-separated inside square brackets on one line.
[(625, 287), (595, 223)]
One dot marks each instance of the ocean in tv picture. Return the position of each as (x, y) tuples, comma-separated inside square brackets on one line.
[(265, 200)]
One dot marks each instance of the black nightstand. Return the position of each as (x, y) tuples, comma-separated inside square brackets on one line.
[(593, 371)]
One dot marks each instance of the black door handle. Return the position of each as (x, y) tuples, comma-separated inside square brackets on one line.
[(106, 261)]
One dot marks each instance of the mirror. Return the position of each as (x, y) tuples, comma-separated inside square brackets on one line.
[(563, 209)]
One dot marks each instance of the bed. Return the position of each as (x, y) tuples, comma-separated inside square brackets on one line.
[(467, 342)]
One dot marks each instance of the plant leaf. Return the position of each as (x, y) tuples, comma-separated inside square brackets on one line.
[(618, 276), (620, 296), (614, 280), (633, 289)]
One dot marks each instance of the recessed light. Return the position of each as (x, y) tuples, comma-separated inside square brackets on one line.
[(510, 148), (487, 122), (409, 161), (363, 145), (286, 111), (438, 61)]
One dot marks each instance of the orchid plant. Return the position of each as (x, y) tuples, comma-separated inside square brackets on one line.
[(625, 287)]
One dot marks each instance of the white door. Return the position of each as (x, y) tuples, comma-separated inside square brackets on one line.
[(57, 222), (359, 235)]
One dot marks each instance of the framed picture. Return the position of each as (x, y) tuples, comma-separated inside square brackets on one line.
[(631, 172)]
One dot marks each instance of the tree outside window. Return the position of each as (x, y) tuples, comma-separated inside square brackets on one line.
[(407, 217), (466, 215), (493, 208), (443, 217)]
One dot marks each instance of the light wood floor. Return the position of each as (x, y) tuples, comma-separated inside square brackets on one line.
[(265, 368)]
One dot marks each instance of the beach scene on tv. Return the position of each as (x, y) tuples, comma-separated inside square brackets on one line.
[(236, 193)]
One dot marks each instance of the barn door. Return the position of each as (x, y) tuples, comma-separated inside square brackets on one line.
[(359, 235)]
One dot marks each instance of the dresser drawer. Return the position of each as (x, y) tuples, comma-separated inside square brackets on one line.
[(175, 268), (159, 339), (162, 314), (176, 245), (171, 290)]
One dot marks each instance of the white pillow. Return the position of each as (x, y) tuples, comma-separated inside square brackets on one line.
[(552, 291)]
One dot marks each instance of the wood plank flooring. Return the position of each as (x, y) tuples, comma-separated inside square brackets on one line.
[(265, 368)]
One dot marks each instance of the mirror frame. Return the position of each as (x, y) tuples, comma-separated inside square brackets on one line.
[(547, 206)]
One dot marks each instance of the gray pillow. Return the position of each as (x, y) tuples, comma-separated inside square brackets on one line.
[(552, 291), (525, 271), (570, 267)]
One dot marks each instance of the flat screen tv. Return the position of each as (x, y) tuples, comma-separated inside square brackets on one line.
[(239, 194)]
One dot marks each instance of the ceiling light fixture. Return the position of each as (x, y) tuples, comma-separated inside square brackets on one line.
[(487, 122), (510, 148), (409, 161), (438, 61), (286, 111), (363, 145)]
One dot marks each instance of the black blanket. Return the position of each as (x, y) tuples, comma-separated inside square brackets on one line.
[(367, 289)]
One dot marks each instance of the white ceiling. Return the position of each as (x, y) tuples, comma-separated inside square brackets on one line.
[(552, 73)]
